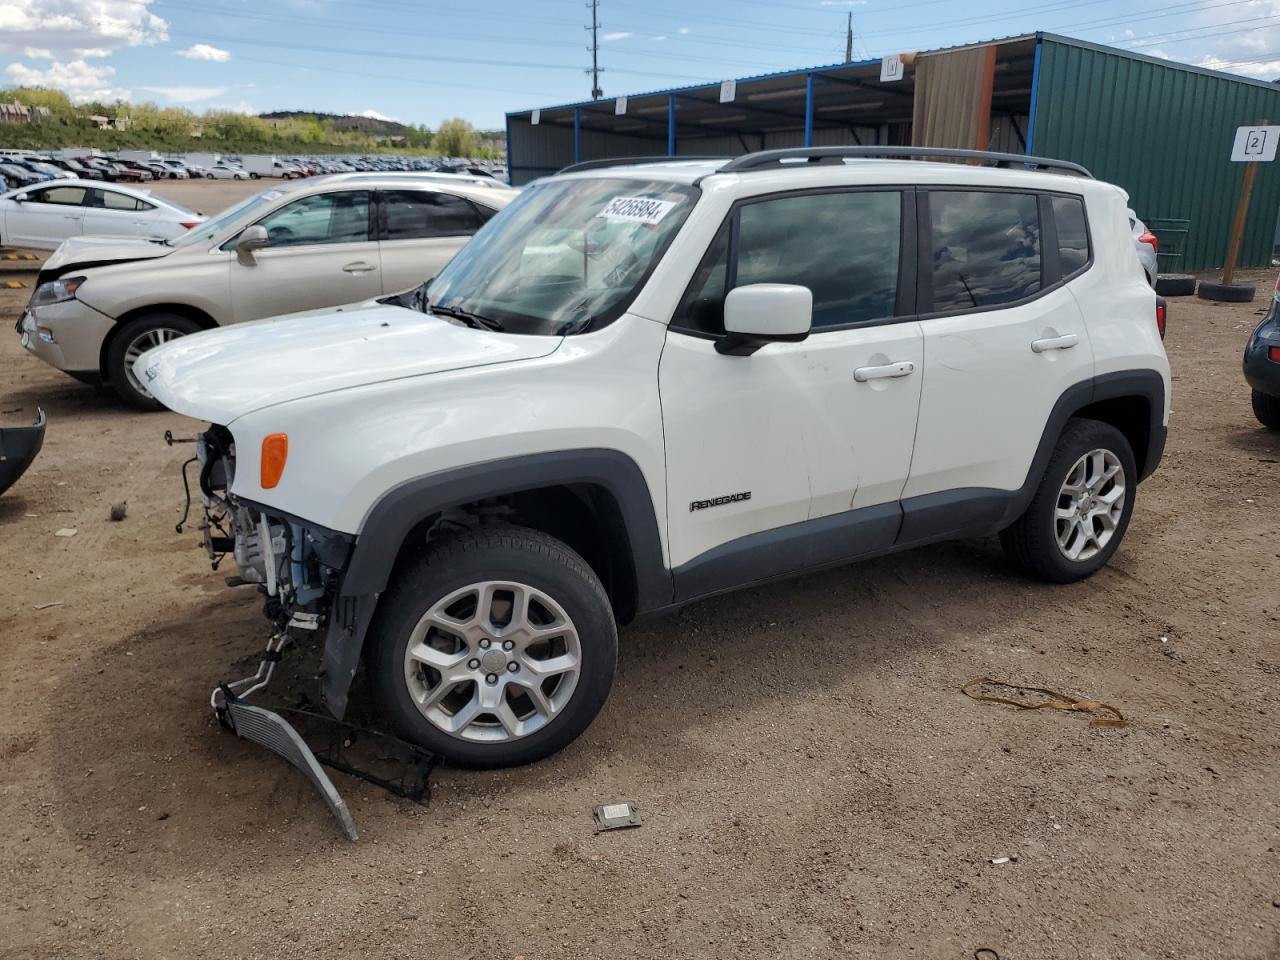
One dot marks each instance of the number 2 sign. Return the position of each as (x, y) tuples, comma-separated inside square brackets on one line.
[(1255, 144)]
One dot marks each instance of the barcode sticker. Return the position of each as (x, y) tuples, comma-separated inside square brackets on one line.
[(636, 209), (616, 811)]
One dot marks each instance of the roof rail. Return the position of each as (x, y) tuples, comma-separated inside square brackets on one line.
[(772, 158), (628, 162)]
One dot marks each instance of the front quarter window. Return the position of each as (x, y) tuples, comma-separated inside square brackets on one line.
[(566, 256)]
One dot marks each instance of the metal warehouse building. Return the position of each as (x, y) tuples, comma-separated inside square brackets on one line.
[(1161, 130)]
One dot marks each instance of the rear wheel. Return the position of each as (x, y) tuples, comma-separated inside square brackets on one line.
[(1267, 409), (496, 647), (1082, 507), (134, 339)]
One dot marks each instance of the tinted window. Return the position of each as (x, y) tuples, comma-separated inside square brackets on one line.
[(986, 248), (1073, 235), (71, 196), (324, 218), (110, 200), (414, 214), (843, 246)]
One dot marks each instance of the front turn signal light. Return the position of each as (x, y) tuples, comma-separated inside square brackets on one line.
[(275, 451)]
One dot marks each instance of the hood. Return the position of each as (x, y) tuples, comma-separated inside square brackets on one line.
[(221, 375), (96, 251)]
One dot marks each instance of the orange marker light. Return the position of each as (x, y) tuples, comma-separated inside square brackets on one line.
[(275, 451)]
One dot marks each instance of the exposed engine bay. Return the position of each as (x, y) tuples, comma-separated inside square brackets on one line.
[(296, 566)]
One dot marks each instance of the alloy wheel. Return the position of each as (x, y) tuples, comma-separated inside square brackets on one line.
[(1090, 505), (494, 661), (139, 345)]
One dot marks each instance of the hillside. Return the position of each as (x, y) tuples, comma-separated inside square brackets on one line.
[(347, 123)]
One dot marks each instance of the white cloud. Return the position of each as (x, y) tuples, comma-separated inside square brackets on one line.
[(842, 3), (76, 29), (37, 53), (203, 51), (187, 94), (660, 38), (375, 115), (242, 107), (617, 35), (80, 80), (683, 30)]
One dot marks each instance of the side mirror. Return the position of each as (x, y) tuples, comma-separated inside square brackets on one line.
[(251, 239), (761, 313), (21, 198)]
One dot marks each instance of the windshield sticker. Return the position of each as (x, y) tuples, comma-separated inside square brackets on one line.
[(636, 209)]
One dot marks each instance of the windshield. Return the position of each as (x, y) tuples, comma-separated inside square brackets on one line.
[(215, 225), (564, 257)]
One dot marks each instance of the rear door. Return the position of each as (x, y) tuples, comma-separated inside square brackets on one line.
[(320, 254), (1003, 336), (421, 230), (111, 212), (48, 216)]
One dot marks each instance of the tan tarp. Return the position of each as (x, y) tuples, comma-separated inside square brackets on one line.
[(953, 99)]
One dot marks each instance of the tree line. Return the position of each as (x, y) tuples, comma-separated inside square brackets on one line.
[(149, 126)]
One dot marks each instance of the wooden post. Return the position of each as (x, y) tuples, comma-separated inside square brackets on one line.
[(1242, 214), (1237, 227)]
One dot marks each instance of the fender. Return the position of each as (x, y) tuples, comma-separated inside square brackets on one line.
[(391, 519)]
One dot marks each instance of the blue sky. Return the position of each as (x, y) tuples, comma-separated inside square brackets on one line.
[(422, 62)]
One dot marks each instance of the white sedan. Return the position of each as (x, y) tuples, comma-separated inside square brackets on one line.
[(41, 217), (220, 171)]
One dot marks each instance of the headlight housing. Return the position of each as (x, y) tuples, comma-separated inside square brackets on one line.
[(56, 291)]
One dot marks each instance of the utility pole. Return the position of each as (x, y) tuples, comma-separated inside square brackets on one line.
[(848, 39), (596, 92)]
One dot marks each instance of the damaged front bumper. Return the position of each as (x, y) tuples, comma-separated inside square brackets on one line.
[(297, 566), (19, 447)]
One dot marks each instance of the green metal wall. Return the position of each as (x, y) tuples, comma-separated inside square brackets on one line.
[(1164, 134)]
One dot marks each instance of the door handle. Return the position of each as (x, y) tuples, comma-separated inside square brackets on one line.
[(71, 216), (358, 267), (1055, 343), (903, 368)]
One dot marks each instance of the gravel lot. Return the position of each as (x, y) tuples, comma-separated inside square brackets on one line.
[(812, 780)]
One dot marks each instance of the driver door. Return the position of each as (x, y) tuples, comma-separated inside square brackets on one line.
[(319, 254)]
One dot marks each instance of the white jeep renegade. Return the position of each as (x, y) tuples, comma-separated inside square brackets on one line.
[(645, 383)]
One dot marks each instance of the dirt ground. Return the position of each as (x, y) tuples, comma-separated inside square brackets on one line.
[(812, 781)]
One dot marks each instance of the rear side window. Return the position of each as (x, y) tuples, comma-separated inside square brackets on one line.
[(111, 200), (844, 247), (986, 248), (1073, 234), (418, 214)]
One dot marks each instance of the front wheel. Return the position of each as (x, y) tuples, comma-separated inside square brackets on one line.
[(210, 176), (1082, 507), (134, 339), (496, 647), (253, 176)]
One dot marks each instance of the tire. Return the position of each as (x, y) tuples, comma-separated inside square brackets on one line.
[(209, 176), (449, 576), (253, 176), (1267, 409), (1033, 542), (143, 332), (1175, 285), (1226, 292)]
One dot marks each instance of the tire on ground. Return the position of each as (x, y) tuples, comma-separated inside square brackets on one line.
[(481, 554), (1032, 540), (1226, 292), (130, 332), (1267, 409), (1175, 285)]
